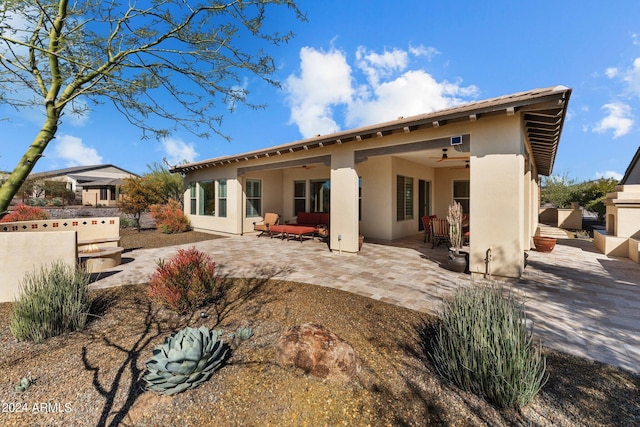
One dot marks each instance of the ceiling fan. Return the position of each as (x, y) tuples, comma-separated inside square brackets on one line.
[(445, 156)]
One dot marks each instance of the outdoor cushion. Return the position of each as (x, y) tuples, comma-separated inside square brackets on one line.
[(312, 218)]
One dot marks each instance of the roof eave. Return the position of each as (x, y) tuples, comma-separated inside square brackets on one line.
[(524, 101)]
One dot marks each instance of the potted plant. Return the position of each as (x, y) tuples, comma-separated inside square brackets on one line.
[(544, 243), (457, 261)]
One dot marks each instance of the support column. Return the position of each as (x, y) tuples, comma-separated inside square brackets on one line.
[(497, 199), (344, 227)]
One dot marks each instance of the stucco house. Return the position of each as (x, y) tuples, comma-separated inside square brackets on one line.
[(621, 236), (379, 180), (95, 184)]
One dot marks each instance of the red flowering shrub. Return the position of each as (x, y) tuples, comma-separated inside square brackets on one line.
[(185, 282), (25, 213), (169, 217)]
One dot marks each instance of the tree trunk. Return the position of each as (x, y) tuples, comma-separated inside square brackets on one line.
[(11, 186)]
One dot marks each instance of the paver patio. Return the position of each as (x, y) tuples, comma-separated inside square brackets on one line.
[(581, 301)]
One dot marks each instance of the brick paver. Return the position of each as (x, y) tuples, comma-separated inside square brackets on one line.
[(581, 301)]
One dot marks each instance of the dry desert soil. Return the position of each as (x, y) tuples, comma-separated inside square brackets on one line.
[(93, 377)]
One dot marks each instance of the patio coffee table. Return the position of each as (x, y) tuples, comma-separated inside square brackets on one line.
[(291, 230)]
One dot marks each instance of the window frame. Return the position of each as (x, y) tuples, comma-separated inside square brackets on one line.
[(222, 198), (405, 196), (251, 199), (464, 200), (193, 198), (299, 199), (204, 201)]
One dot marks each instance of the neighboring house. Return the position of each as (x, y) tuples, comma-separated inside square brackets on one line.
[(97, 184), (621, 236), (378, 180), (632, 174)]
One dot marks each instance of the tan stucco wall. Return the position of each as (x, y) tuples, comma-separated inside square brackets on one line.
[(272, 200), (228, 224), (443, 189), (24, 252), (570, 219), (497, 191), (344, 203), (314, 172), (378, 192), (504, 191), (102, 231)]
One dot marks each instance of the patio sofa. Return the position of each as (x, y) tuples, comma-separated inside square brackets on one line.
[(319, 221)]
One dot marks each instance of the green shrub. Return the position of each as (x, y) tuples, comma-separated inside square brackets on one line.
[(185, 282), (54, 299), (127, 222), (169, 217), (482, 345)]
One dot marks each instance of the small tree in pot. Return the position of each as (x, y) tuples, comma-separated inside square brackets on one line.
[(457, 261)]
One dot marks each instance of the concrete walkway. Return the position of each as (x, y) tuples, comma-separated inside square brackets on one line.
[(581, 301)]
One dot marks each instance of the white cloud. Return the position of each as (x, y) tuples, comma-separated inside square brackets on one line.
[(426, 51), (377, 66), (324, 81), (414, 92), (619, 119), (74, 153), (178, 151), (326, 92), (609, 174), (611, 72), (632, 78)]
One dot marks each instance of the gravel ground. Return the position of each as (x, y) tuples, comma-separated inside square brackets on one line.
[(93, 377)]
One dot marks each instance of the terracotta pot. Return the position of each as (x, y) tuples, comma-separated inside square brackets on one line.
[(544, 244)]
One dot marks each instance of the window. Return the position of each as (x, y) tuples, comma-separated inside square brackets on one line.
[(299, 197), (193, 192), (320, 195), (112, 194), (104, 194), (207, 198), (254, 198), (461, 194), (404, 201), (222, 198)]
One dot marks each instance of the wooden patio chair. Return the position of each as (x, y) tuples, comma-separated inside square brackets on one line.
[(439, 231), (270, 219), (426, 225)]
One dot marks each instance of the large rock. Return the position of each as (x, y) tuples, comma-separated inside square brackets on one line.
[(318, 352)]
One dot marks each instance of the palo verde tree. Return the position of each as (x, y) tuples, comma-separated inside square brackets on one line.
[(67, 56)]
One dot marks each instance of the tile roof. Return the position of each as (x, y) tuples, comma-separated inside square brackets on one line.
[(543, 112)]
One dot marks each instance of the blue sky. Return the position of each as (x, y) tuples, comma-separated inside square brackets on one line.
[(361, 62)]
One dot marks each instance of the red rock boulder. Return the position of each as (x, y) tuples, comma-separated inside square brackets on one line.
[(318, 352)]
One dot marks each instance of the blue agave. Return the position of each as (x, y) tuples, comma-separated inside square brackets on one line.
[(185, 360)]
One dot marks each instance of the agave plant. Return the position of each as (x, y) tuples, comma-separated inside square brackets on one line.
[(186, 359)]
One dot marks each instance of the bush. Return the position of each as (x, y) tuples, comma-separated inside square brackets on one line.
[(127, 222), (184, 283), (170, 218), (482, 345), (36, 202), (54, 299), (25, 213)]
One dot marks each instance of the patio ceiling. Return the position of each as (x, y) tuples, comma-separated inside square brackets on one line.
[(543, 112)]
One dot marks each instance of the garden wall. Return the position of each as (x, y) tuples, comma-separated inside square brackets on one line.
[(24, 252)]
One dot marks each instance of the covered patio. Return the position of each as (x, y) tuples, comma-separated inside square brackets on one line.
[(581, 301)]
